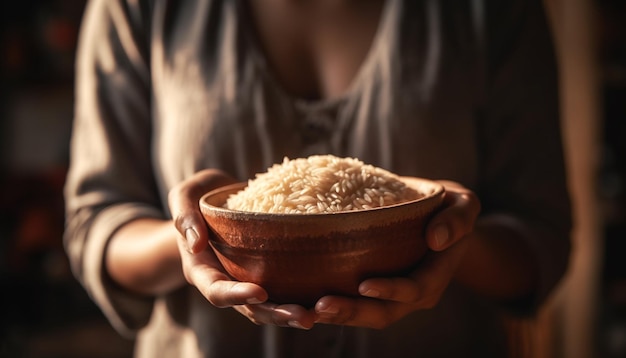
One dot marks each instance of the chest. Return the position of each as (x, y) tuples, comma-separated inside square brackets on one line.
[(315, 49)]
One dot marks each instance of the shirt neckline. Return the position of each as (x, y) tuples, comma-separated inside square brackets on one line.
[(260, 62)]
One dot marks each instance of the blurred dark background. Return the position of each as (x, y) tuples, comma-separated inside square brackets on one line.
[(43, 310), (611, 60)]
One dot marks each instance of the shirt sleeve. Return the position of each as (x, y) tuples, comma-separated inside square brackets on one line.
[(521, 149), (110, 180)]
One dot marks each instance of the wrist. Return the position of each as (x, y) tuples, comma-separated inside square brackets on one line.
[(143, 257)]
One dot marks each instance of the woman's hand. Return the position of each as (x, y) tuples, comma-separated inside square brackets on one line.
[(386, 300), (202, 269)]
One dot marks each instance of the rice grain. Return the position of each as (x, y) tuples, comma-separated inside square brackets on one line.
[(321, 184)]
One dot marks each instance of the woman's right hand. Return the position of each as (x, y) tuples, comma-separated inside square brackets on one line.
[(203, 270)]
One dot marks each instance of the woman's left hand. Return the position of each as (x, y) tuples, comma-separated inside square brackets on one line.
[(386, 300)]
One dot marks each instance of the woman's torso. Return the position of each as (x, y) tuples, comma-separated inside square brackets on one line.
[(406, 103)]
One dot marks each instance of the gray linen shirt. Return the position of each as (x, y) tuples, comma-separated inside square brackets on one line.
[(463, 90)]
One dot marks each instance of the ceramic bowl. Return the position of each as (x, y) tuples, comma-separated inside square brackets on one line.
[(299, 258)]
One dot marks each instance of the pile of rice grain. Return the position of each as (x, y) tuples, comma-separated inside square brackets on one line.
[(321, 184)]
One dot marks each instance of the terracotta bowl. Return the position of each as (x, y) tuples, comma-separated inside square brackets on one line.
[(299, 258)]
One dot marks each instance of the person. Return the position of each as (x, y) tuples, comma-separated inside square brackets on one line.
[(174, 99)]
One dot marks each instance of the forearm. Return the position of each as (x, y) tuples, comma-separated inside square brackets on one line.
[(498, 263), (143, 257)]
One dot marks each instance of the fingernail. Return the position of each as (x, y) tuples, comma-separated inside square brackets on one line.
[(253, 301), (296, 324), (442, 235), (192, 238), (371, 293)]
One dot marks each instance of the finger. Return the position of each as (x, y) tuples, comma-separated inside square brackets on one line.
[(289, 315), (227, 293), (258, 314), (183, 201), (204, 272), (370, 313), (222, 292), (435, 273), (400, 289), (395, 297), (461, 208), (432, 276)]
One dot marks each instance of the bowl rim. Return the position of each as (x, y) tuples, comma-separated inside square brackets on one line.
[(437, 191)]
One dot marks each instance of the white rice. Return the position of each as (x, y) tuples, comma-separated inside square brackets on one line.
[(321, 184)]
